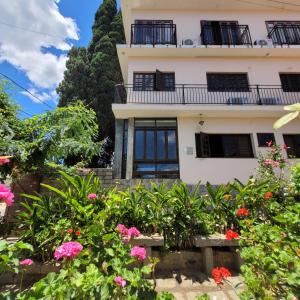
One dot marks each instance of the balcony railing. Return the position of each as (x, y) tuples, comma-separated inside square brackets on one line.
[(153, 34), (231, 35), (285, 35), (201, 94)]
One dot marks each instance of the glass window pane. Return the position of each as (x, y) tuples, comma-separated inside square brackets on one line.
[(145, 167), (150, 145), (144, 123), (168, 167), (166, 123), (161, 142), (139, 144), (172, 151)]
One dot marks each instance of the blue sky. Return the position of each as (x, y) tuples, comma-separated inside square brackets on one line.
[(34, 40)]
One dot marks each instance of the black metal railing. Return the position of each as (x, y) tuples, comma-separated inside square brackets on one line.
[(226, 35), (201, 94), (153, 34), (285, 35)]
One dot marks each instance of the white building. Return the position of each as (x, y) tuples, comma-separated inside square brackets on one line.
[(204, 81)]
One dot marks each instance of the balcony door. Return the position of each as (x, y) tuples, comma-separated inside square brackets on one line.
[(155, 149), (220, 33), (153, 32), (284, 32)]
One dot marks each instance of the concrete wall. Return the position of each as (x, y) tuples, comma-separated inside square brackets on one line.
[(188, 22), (221, 170)]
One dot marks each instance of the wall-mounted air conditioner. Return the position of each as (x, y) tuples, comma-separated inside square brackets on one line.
[(189, 43), (264, 43)]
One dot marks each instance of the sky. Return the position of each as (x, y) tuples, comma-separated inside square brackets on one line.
[(35, 36)]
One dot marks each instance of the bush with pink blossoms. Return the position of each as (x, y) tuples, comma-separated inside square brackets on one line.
[(139, 253), (68, 250), (6, 195)]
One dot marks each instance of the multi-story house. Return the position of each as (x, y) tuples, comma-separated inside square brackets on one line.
[(204, 81)]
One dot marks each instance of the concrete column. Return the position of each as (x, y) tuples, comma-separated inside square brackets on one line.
[(208, 260), (117, 166), (130, 149), (237, 260)]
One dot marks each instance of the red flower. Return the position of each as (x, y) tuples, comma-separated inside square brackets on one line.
[(77, 233), (268, 195), (242, 212), (70, 231), (230, 235), (219, 274), (286, 147), (270, 143)]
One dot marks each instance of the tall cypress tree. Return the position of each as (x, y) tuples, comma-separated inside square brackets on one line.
[(100, 69)]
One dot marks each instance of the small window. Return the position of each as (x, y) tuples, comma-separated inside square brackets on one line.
[(292, 141), (265, 138), (290, 82), (218, 82), (158, 81), (224, 145)]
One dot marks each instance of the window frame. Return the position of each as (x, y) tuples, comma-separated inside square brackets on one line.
[(155, 161), (209, 155)]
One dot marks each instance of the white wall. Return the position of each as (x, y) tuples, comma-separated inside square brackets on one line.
[(223, 170), (188, 22)]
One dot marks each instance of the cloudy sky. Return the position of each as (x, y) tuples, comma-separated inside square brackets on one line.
[(35, 36)]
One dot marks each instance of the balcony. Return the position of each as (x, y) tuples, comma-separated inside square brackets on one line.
[(231, 34), (285, 35), (153, 34), (201, 94)]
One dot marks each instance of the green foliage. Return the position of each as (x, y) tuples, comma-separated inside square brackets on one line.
[(92, 73), (64, 136), (10, 254)]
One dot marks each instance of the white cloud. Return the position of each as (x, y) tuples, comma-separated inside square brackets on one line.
[(29, 50), (40, 96)]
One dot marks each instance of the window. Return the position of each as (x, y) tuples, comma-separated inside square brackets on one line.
[(293, 143), (155, 149), (264, 138), (284, 32), (158, 81), (290, 82), (223, 82), (224, 145), (154, 32)]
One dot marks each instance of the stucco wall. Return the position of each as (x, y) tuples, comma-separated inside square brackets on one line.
[(188, 22), (222, 170)]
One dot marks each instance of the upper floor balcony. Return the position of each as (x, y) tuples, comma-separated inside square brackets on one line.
[(285, 34), (202, 94)]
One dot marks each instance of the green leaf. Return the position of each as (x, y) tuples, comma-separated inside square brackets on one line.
[(55, 190), (293, 107), (285, 119)]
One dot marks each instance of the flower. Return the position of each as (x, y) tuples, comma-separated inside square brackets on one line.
[(6, 195), (77, 233), (92, 196), (26, 262), (219, 274), (268, 162), (286, 147), (68, 250), (119, 281), (227, 197), (268, 195), (4, 160), (122, 229), (230, 235), (242, 212), (269, 143), (138, 252), (70, 231), (133, 231)]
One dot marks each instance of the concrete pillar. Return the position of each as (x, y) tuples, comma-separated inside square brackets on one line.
[(208, 260), (129, 167), (117, 166), (237, 260)]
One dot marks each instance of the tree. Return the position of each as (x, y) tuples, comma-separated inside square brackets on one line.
[(92, 73)]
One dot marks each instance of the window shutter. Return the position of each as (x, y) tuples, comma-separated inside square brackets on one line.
[(159, 85), (202, 145)]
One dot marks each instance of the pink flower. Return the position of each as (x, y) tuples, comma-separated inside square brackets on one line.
[(286, 147), (138, 252), (122, 229), (268, 162), (26, 262), (276, 164), (6, 195), (270, 143), (119, 281), (68, 250), (92, 196), (133, 231), (4, 160)]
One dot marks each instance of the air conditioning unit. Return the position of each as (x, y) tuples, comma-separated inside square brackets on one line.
[(189, 43), (264, 43)]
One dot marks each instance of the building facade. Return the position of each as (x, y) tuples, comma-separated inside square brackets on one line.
[(204, 82)]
